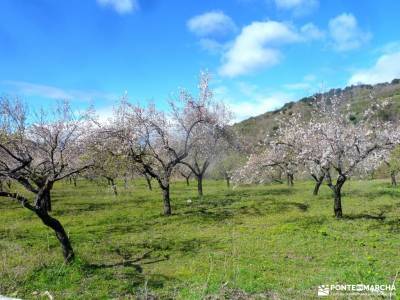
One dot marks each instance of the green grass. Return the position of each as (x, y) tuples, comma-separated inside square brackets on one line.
[(275, 240)]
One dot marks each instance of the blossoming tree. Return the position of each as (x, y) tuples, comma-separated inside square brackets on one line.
[(158, 141), (38, 152)]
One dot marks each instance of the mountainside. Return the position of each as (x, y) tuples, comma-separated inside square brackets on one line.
[(358, 97)]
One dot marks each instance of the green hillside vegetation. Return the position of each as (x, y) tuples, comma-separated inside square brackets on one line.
[(255, 129)]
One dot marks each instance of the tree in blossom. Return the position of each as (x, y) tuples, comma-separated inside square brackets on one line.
[(392, 162), (227, 163), (36, 152), (209, 141), (330, 144), (185, 172), (342, 147), (280, 155), (158, 141), (110, 162)]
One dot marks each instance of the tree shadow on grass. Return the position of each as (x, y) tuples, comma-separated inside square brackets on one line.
[(374, 194), (131, 269), (127, 261), (261, 208), (379, 217), (77, 209), (248, 192), (187, 246)]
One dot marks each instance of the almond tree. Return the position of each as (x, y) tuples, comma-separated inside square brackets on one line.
[(209, 140), (158, 141), (392, 162), (184, 172), (266, 167), (345, 146), (110, 162), (38, 152), (227, 163), (280, 156)]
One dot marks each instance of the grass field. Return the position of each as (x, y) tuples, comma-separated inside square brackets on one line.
[(270, 241)]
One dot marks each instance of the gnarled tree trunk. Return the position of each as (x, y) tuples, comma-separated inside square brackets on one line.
[(393, 178), (166, 200), (61, 235), (43, 198), (148, 180), (200, 184), (290, 178), (228, 181), (337, 193), (111, 182), (42, 205), (318, 183), (114, 187)]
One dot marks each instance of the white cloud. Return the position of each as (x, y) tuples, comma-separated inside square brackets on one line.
[(120, 6), (346, 34), (211, 23), (256, 47), (51, 92), (212, 46), (258, 101), (386, 68), (298, 7), (311, 32)]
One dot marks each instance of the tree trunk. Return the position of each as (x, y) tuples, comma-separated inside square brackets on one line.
[(126, 182), (47, 200), (148, 180), (200, 185), (393, 177), (61, 235), (338, 204), (166, 199), (290, 179), (114, 187), (74, 179), (337, 190), (228, 182), (187, 181), (44, 199), (318, 183)]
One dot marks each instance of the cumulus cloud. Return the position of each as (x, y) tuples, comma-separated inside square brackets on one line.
[(298, 7), (346, 34), (120, 6), (386, 68), (211, 24), (256, 47), (212, 46), (310, 31), (257, 102)]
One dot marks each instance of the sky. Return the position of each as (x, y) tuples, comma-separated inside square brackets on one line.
[(260, 53)]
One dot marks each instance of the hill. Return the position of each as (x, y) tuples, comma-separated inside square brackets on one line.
[(255, 128)]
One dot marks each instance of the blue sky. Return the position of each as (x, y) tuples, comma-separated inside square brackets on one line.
[(261, 53)]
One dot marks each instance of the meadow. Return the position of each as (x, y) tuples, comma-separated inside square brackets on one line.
[(250, 242)]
